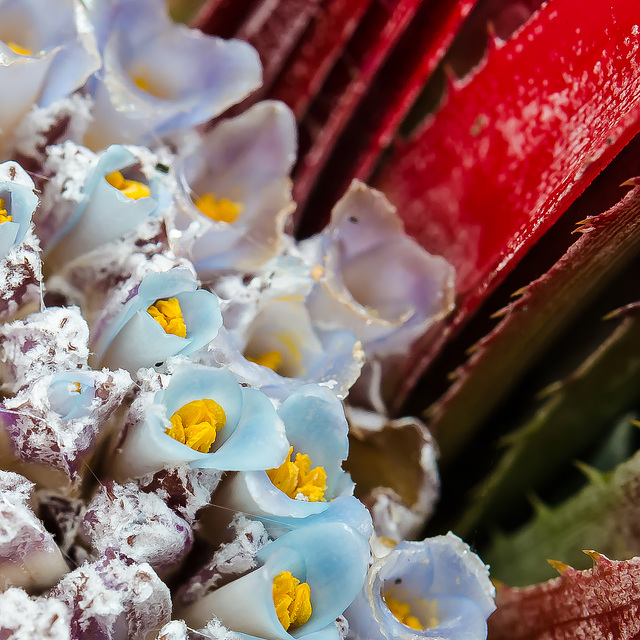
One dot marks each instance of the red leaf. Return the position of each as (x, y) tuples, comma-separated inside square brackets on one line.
[(601, 603), (516, 143)]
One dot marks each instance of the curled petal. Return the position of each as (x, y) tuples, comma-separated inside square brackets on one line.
[(376, 281), (158, 77), (247, 161), (445, 584), (134, 339), (315, 426), (306, 353), (51, 427), (104, 212), (19, 201), (331, 557), (252, 438), (59, 53)]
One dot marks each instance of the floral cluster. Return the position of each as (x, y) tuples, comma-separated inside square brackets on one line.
[(174, 365)]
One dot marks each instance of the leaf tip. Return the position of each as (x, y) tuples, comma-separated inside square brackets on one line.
[(560, 567)]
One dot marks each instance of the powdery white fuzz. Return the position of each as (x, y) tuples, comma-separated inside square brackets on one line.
[(53, 340), (25, 618), (29, 557), (21, 279), (39, 434), (36, 129), (140, 525), (183, 489), (112, 596)]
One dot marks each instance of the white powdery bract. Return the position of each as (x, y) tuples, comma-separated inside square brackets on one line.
[(25, 618)]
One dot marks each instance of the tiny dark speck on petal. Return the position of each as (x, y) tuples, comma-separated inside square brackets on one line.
[(398, 580), (353, 220)]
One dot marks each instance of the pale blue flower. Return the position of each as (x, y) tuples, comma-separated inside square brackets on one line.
[(253, 436), (51, 426), (246, 161), (44, 55), (158, 77), (304, 353), (315, 426), (104, 212), (331, 557), (376, 280), (20, 201), (446, 586), (133, 338)]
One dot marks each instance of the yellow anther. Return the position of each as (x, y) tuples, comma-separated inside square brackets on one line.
[(292, 600), (270, 359), (19, 49), (222, 210), (5, 216), (130, 188), (298, 480), (197, 423), (402, 611), (169, 315), (76, 387)]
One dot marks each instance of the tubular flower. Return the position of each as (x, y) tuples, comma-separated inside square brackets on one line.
[(277, 348), (158, 77), (317, 429), (19, 201), (437, 588), (134, 338), (236, 190), (46, 55), (330, 558), (375, 280), (51, 427), (116, 194), (251, 436)]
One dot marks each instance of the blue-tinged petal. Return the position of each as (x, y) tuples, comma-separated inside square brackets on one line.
[(134, 339), (52, 425), (316, 426), (245, 161), (19, 201), (159, 77), (252, 437), (44, 55), (331, 557), (305, 354), (446, 586), (376, 281), (104, 213)]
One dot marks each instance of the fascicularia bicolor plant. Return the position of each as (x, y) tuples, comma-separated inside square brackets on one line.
[(201, 431)]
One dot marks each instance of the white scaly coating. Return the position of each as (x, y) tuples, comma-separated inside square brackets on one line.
[(25, 618), (29, 557), (52, 340), (140, 525), (116, 596)]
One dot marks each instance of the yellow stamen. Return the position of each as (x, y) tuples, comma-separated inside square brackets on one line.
[(197, 423), (130, 188), (297, 479), (76, 387), (222, 210), (271, 359), (169, 315), (5, 216), (19, 49), (402, 611), (292, 600)]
